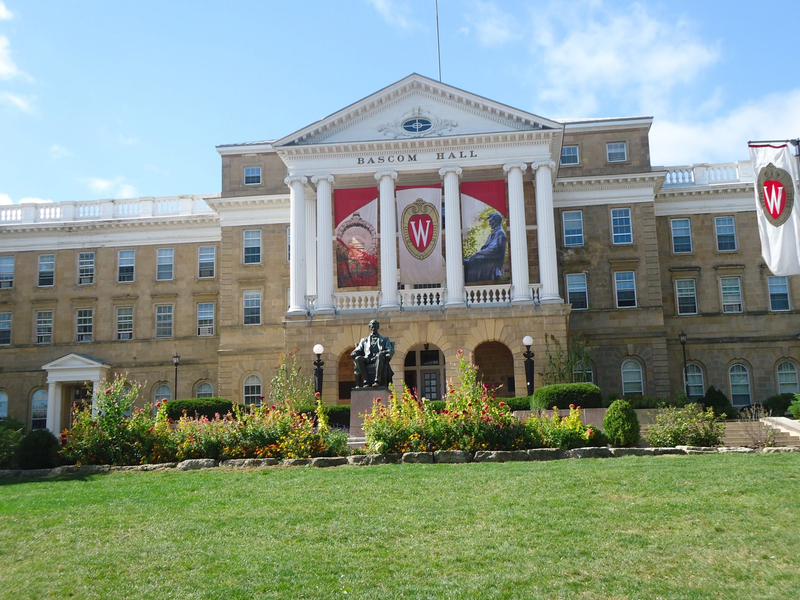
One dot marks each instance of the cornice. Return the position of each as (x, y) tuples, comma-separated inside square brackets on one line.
[(611, 182), (677, 194), (177, 222), (276, 201)]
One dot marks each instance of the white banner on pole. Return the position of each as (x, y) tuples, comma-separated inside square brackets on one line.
[(420, 224)]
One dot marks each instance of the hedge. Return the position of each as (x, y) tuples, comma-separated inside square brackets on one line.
[(198, 407), (561, 395)]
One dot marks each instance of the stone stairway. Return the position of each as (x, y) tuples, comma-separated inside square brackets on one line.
[(741, 433)]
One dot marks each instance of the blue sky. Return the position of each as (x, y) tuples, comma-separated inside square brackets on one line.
[(104, 99)]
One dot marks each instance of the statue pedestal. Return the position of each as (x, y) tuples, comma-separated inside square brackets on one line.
[(361, 401)]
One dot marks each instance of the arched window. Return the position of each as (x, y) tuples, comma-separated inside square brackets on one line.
[(694, 381), (204, 390), (3, 404), (739, 376), (162, 392), (252, 390), (632, 382), (583, 373), (787, 378), (39, 409)]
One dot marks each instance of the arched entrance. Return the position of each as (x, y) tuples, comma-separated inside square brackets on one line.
[(423, 370), (496, 366)]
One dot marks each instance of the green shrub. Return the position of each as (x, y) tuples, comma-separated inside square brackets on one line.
[(198, 407), (566, 432), (717, 400), (794, 407), (339, 415), (436, 406), (10, 437), (686, 426), (621, 424), (639, 402), (37, 450), (778, 404), (522, 403), (562, 395)]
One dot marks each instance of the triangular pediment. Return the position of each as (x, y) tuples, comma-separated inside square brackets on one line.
[(75, 361), (416, 108)]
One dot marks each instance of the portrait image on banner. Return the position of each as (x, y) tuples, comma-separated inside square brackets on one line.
[(484, 226), (420, 224), (355, 214)]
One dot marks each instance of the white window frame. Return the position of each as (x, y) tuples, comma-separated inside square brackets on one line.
[(5, 325), (130, 263), (695, 380), (6, 272), (162, 322), (576, 285), (209, 394), (790, 383), (84, 325), (731, 306), (682, 223), (86, 268), (576, 155), (253, 240), (625, 280), (3, 404), (718, 224), (164, 395), (579, 373), (205, 319), (124, 323), (44, 332), (572, 240), (43, 262), (625, 235), (253, 173), (741, 370), (619, 151), (637, 383), (778, 282), (679, 293), (39, 402), (165, 257), (212, 250), (252, 390), (251, 300)]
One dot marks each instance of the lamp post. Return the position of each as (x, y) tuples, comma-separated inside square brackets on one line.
[(318, 350), (682, 340), (527, 341), (176, 360)]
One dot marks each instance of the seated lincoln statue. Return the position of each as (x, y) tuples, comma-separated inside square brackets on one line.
[(487, 263), (371, 359)]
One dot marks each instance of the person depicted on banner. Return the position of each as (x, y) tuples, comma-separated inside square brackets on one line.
[(487, 263), (377, 350)]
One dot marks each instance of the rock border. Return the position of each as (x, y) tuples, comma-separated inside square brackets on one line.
[(438, 457)]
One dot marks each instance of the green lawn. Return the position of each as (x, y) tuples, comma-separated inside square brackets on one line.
[(671, 527)]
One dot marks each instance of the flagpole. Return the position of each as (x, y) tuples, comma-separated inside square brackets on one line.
[(438, 45)]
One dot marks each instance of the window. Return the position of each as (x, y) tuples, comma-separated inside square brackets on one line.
[(126, 262), (85, 325), (686, 293), (625, 286), (44, 326), (252, 246), (85, 268), (681, 236), (583, 373), (569, 155), (162, 393), (576, 291), (726, 234), (617, 152), (621, 227), (165, 261), (204, 390), (39, 409), (252, 390), (252, 307), (205, 318), (164, 321), (5, 329), (632, 383), (573, 227), (3, 405), (731, 294), (205, 263), (694, 381), (787, 379), (740, 384), (6, 272), (124, 322), (778, 293), (288, 244), (252, 175), (47, 269)]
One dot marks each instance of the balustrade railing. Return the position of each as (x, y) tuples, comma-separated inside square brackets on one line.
[(481, 295), (709, 174), (424, 298), (352, 301)]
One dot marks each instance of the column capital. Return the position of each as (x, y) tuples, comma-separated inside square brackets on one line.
[(450, 169), (544, 163), (323, 177), (295, 179), (381, 174), (520, 165)]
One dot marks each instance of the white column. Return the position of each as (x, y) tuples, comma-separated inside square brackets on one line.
[(388, 222), (546, 233), (311, 248), (54, 407), (96, 386), (297, 245), (324, 303), (520, 279), (454, 263)]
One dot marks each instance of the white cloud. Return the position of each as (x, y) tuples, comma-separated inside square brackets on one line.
[(34, 201), (393, 12), (59, 152), (5, 14), (492, 26), (126, 191), (128, 141), (17, 101), (5, 199), (8, 70), (116, 188)]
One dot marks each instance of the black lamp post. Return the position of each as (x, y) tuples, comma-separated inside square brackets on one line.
[(176, 360), (527, 341), (318, 350), (682, 340)]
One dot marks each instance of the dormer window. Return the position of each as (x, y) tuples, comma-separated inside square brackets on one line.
[(252, 175)]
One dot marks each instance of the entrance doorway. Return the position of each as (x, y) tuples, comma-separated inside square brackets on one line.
[(423, 371)]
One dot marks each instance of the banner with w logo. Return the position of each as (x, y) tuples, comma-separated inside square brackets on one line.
[(420, 224), (776, 173)]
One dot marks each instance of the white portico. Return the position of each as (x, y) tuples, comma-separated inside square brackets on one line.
[(419, 132), (70, 369)]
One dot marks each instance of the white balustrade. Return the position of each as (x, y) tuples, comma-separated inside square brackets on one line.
[(10, 215), (88, 210), (351, 301), (48, 212), (535, 290), (127, 208), (424, 298), (706, 174), (485, 295), (166, 206)]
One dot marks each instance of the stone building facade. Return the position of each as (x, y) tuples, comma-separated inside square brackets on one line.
[(603, 247)]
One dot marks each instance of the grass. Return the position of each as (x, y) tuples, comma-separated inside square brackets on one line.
[(671, 527)]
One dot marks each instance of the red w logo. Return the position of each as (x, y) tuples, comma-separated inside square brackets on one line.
[(774, 197), (420, 229)]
